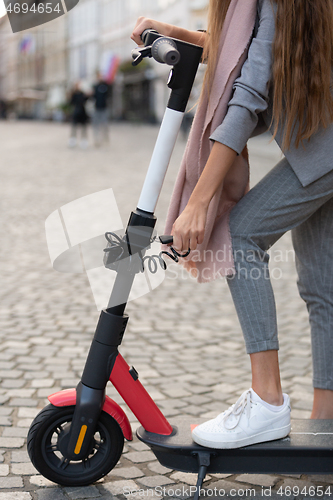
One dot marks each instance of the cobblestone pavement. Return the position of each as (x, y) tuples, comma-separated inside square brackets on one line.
[(184, 338)]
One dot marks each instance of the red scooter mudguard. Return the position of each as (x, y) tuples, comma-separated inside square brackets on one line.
[(68, 398)]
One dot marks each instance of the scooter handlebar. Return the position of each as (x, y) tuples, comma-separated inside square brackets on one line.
[(145, 33), (164, 50)]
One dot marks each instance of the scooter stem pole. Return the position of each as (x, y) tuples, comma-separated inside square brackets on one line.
[(160, 160)]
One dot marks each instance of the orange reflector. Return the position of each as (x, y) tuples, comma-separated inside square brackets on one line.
[(80, 439)]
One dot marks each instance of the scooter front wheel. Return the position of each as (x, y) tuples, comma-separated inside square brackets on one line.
[(46, 435)]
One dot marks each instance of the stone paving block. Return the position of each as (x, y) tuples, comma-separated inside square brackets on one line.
[(297, 483), (11, 442), (158, 468), (120, 487), (176, 392), (257, 479), (39, 383), (180, 491), (172, 403), (138, 445), (140, 493), (221, 476), (28, 360), (5, 411), (23, 402), (172, 412), (4, 421), (136, 456), (3, 399), (231, 489), (194, 410), (17, 350), (5, 356), (15, 495), (51, 494), (12, 343), (197, 400), (28, 412), (154, 481), (4, 470), (321, 478), (303, 414), (19, 456), (40, 340), (6, 365), (126, 472), (33, 374), (82, 492), (40, 481), (69, 383), (302, 405), (10, 374), (44, 393), (24, 422), (14, 432), (12, 383), (22, 393), (23, 469), (11, 482), (187, 477)]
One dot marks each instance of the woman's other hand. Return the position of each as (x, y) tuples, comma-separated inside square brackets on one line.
[(144, 23), (189, 229)]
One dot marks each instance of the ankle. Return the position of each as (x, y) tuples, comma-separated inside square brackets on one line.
[(322, 404), (273, 397), (321, 415)]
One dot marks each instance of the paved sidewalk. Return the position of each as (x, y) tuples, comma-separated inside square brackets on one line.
[(184, 339)]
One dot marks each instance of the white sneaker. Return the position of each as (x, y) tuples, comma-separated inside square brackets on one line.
[(250, 420)]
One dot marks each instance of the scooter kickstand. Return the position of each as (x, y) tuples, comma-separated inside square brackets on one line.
[(204, 461)]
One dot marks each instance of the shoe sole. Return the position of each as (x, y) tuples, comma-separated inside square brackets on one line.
[(280, 433)]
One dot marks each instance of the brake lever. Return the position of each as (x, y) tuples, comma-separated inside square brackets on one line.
[(139, 54)]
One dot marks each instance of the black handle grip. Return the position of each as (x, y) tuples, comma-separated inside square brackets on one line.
[(145, 33), (166, 239)]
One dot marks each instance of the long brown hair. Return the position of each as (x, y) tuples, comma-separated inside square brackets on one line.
[(302, 64)]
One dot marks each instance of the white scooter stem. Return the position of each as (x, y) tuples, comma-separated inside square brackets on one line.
[(160, 160)]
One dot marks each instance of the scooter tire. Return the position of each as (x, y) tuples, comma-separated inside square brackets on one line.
[(42, 444)]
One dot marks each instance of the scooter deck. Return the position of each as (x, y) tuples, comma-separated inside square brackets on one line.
[(308, 450)]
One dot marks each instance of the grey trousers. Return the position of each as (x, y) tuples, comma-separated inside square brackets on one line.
[(279, 203)]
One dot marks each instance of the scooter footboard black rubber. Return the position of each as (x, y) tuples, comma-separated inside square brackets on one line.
[(307, 450)]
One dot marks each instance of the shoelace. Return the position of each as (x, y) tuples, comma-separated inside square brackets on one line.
[(236, 411)]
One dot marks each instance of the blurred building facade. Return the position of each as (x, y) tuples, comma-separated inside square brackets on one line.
[(39, 67)]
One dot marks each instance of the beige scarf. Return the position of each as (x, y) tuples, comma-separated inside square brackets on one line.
[(213, 258)]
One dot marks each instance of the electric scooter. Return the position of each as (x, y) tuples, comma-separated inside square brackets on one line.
[(78, 438)]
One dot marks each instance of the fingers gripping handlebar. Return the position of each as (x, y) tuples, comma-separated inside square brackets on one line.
[(163, 50)]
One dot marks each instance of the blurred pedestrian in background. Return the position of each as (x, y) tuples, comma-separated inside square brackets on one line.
[(80, 117), (3, 109), (101, 95)]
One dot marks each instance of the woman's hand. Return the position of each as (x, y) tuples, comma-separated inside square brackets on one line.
[(144, 23), (189, 229)]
